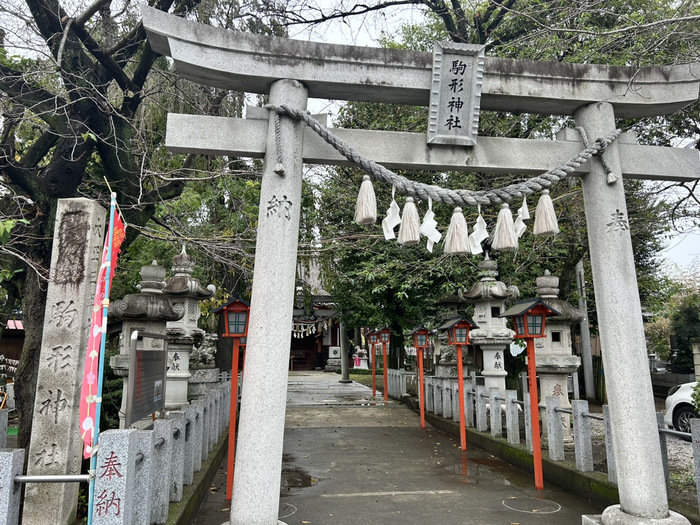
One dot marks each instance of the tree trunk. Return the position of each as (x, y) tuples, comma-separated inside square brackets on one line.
[(33, 305)]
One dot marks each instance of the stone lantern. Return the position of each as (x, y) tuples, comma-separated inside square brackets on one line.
[(493, 336), (553, 353), (185, 292), (146, 311)]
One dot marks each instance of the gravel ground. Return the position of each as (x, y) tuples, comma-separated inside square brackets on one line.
[(680, 462)]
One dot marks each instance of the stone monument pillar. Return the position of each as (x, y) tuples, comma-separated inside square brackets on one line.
[(146, 311), (185, 292), (553, 356), (493, 335), (55, 446)]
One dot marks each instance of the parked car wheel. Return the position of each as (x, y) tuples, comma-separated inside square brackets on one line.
[(679, 407), (682, 416)]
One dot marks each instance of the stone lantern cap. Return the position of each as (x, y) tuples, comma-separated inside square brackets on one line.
[(488, 288), (150, 303), (182, 283), (548, 289)]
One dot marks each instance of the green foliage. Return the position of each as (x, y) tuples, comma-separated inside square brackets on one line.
[(6, 228), (696, 397), (685, 325)]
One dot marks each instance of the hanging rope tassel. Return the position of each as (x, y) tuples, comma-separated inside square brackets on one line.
[(457, 237), (504, 237), (366, 208), (409, 231), (545, 216)]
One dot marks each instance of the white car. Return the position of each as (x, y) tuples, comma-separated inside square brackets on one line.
[(679, 407)]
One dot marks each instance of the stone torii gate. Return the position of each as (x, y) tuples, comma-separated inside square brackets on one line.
[(290, 71)]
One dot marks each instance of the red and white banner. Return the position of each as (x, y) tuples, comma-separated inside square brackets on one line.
[(98, 328)]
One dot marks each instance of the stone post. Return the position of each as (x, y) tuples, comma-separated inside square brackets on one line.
[(263, 401), (115, 478), (162, 454), (143, 475), (11, 465), (55, 446), (344, 358), (641, 486)]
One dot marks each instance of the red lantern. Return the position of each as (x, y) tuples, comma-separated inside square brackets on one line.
[(421, 340), (529, 318), (458, 335), (236, 327)]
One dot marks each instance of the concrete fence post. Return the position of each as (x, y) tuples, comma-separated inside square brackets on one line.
[(437, 400), (428, 381), (177, 459), (211, 433), (11, 465), (447, 399), (3, 428), (609, 449), (583, 449), (215, 420), (455, 403), (496, 424), (482, 424), (115, 479), (555, 434), (695, 437), (512, 419), (143, 472), (469, 402), (526, 419), (664, 449), (190, 443), (198, 434), (202, 403), (161, 471)]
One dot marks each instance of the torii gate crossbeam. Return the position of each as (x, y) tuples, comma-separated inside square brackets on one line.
[(595, 95)]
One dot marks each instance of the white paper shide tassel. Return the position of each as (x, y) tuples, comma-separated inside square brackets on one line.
[(504, 237), (366, 208), (545, 216), (479, 234), (409, 231), (523, 214), (457, 237)]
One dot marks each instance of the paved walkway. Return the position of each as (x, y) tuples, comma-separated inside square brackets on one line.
[(350, 461)]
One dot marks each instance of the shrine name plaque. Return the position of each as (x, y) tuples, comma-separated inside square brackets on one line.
[(455, 94)]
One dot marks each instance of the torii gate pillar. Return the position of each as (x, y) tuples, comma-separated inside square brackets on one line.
[(264, 397), (634, 430)]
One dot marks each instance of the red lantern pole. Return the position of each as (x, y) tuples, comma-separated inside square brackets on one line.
[(534, 415), (421, 396), (232, 425), (460, 383), (386, 379), (374, 372)]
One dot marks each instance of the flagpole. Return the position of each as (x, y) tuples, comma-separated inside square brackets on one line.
[(105, 310)]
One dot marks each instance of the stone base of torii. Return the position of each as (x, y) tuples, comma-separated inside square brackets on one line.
[(252, 63)]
